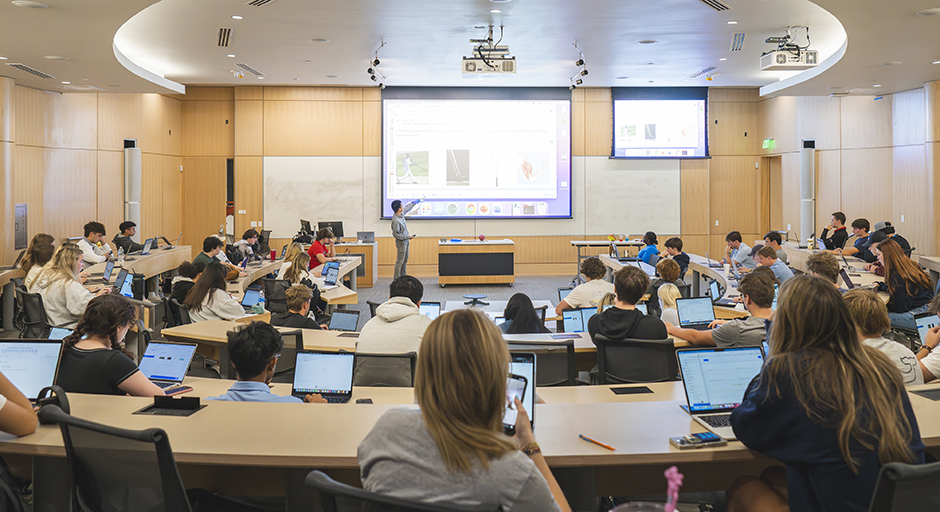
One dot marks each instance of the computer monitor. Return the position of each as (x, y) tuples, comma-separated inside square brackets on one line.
[(335, 226), (305, 226)]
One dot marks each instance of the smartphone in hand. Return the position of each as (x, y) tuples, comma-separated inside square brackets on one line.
[(515, 388)]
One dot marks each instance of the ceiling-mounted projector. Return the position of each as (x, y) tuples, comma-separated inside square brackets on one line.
[(489, 58), (787, 60)]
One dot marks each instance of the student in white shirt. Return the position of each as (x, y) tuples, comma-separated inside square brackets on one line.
[(871, 322), (94, 247), (63, 295), (208, 299), (591, 292), (668, 293)]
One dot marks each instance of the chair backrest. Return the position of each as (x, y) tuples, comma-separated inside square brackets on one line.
[(35, 323), (685, 290), (541, 311), (385, 370), (115, 469), (654, 259), (275, 298), (905, 487), (372, 306), (633, 360), (181, 311), (293, 343), (909, 252), (233, 254), (171, 316), (551, 364), (337, 497)]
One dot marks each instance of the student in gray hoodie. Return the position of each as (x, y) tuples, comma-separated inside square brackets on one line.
[(398, 325)]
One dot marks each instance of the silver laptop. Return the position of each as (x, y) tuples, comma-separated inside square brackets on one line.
[(365, 237), (30, 365), (173, 245), (696, 313), (166, 364), (430, 309), (850, 268), (715, 380), (576, 320), (344, 320), (15, 263), (329, 374), (713, 265), (714, 289)]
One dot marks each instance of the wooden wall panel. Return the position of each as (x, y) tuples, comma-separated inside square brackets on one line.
[(545, 249), (600, 94), (110, 195), (733, 94), (151, 197), (598, 128), (69, 191), (866, 122), (208, 128), (778, 116), (313, 94), (867, 193), (908, 118), (203, 199), (372, 128), (694, 194), (249, 93), (819, 118), (28, 184), (913, 198), (371, 94), (249, 182), (829, 188), (209, 94), (172, 196), (312, 128), (172, 126), (695, 244), (734, 194), (70, 121), (130, 116), (733, 128), (577, 127), (29, 106), (249, 128)]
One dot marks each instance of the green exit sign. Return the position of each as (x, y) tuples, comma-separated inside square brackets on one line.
[(769, 144)]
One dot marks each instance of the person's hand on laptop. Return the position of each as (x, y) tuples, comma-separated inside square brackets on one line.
[(716, 323), (933, 338), (315, 399), (325, 327), (737, 299)]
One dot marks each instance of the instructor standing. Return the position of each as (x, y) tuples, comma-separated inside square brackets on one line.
[(402, 237)]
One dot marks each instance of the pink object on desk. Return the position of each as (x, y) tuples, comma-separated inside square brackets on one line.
[(482, 238)]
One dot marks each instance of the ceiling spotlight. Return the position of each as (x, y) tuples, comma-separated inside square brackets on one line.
[(376, 62), (370, 71), (579, 62), (584, 72), (373, 78), (578, 81), (934, 62), (877, 85), (381, 86), (3, 58), (260, 78), (66, 83), (237, 17), (572, 87)]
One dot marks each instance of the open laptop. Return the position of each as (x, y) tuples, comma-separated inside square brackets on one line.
[(344, 320), (850, 268), (714, 290), (119, 281), (615, 253), (166, 364), (58, 333), (576, 320), (430, 309), (924, 323), (148, 244), (714, 380), (563, 292), (30, 364), (365, 237), (713, 265), (697, 313), (251, 297), (15, 263), (329, 374), (108, 268), (330, 273), (173, 245), (125, 288), (846, 279)]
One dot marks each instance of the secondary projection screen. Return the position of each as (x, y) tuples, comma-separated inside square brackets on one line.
[(660, 122), (477, 153)]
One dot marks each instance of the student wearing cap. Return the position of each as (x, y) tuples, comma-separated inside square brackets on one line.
[(860, 228), (886, 228), (876, 267), (752, 257)]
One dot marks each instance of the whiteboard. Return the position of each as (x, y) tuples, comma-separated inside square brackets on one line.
[(631, 196)]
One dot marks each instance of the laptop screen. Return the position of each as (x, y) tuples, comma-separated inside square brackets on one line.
[(166, 361), (126, 286), (344, 320), (108, 269), (716, 378), (572, 320), (925, 322), (148, 244), (562, 293), (430, 309), (323, 372), (330, 272), (58, 333), (523, 363), (847, 280), (251, 297), (642, 308), (30, 365), (714, 289), (695, 311)]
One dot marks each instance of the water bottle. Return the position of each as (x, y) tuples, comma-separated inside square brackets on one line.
[(120, 255)]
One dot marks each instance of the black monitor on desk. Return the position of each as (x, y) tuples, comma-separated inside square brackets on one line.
[(335, 226), (305, 226)]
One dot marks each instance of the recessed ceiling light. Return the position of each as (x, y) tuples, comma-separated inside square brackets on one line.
[(723, 58), (833, 87), (3, 58), (622, 77), (496, 11), (732, 22), (306, 62), (332, 76), (66, 83), (319, 40), (926, 12), (892, 63), (115, 85), (260, 78), (646, 42), (231, 56), (650, 64), (651, 81), (500, 1), (296, 79), (237, 17), (56, 57), (85, 79), (877, 85), (936, 62), (29, 4)]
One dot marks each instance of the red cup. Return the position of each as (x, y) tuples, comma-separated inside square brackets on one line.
[(273, 255)]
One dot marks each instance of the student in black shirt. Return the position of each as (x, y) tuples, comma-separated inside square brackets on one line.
[(860, 228), (298, 303), (834, 235), (674, 251), (188, 272), (92, 358), (886, 228), (623, 320), (123, 239), (910, 287)]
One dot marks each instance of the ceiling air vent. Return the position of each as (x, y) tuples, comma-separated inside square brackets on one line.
[(31, 71), (716, 5), (259, 3), (250, 69), (705, 71), (737, 41), (225, 34)]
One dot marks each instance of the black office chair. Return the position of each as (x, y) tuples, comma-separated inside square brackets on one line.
[(181, 312), (685, 290), (35, 322), (907, 488), (541, 311), (115, 469), (337, 497), (633, 360), (284, 372), (170, 316), (275, 298), (385, 370), (372, 306), (551, 364), (18, 313)]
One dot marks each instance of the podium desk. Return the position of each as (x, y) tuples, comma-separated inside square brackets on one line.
[(476, 262)]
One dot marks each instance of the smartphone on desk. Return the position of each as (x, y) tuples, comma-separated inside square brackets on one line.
[(515, 388), (702, 440)]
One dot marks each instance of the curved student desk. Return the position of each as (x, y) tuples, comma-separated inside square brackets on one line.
[(158, 261), (340, 295)]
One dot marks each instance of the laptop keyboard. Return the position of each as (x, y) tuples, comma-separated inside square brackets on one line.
[(336, 399), (717, 420), (697, 327), (164, 385)]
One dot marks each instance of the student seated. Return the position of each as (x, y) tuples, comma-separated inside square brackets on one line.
[(889, 231), (29, 258), (668, 271), (650, 249), (248, 245), (188, 273), (831, 408), (623, 320), (587, 294), (737, 253), (93, 360), (297, 271), (674, 251), (39, 256), (212, 251), (322, 250), (859, 249), (453, 449), (521, 317), (292, 250), (17, 416), (834, 235), (929, 360), (876, 267), (768, 258), (208, 300), (824, 264), (398, 324), (123, 239), (908, 285), (668, 293), (254, 352), (298, 308), (94, 248), (773, 239), (63, 296), (871, 322), (757, 293)]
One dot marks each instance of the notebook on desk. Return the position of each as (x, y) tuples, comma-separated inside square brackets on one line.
[(30, 365), (714, 380), (697, 313), (329, 374), (166, 364)]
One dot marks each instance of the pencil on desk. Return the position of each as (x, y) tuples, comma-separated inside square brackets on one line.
[(598, 443)]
